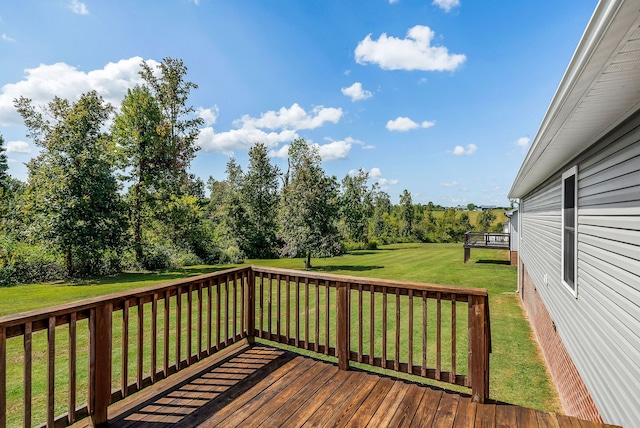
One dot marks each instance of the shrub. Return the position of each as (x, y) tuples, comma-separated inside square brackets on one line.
[(24, 263), (353, 246), (157, 257), (186, 258), (231, 254)]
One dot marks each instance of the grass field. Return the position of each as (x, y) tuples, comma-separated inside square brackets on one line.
[(518, 374)]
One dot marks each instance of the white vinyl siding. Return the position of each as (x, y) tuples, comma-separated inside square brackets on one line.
[(601, 328)]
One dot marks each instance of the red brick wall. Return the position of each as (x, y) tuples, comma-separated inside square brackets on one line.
[(574, 396)]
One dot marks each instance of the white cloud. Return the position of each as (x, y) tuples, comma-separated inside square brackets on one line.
[(393, 1), (403, 124), (356, 93), (415, 52), (461, 151), (375, 173), (446, 5), (449, 184), (282, 152), (293, 118), (335, 150), (78, 7), (209, 115), (7, 38), (241, 139), (42, 83), (272, 128), (385, 184), (18, 147), (522, 142), (328, 152)]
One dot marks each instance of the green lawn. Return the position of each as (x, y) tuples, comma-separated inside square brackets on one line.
[(518, 374)]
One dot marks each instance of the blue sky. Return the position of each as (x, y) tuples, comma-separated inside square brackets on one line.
[(440, 97)]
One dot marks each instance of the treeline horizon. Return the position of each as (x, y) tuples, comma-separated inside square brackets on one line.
[(73, 217)]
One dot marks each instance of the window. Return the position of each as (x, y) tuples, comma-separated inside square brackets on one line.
[(569, 229)]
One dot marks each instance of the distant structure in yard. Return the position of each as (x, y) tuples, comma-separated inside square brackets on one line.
[(486, 207), (579, 223)]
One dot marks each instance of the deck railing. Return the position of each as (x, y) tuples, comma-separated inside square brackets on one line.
[(491, 240), (86, 346), (486, 240)]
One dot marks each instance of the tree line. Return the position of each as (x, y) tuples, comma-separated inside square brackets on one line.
[(101, 199)]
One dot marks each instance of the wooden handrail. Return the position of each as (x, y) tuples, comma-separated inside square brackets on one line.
[(327, 304), (307, 310)]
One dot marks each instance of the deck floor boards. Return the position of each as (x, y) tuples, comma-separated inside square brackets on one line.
[(262, 386)]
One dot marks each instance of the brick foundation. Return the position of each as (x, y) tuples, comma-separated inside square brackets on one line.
[(513, 258), (574, 396)]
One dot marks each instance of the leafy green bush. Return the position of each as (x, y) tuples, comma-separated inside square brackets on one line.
[(157, 257), (353, 246), (231, 254), (24, 263), (372, 245), (186, 258)]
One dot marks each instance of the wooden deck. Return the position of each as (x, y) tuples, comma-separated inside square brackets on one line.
[(269, 387)]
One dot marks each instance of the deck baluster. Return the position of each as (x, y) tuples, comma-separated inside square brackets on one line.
[(28, 372), (51, 371), (189, 323), (154, 337), (178, 326), (410, 338), (452, 376), (384, 327), (140, 350)]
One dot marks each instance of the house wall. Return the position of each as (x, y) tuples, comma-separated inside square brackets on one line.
[(574, 395), (600, 328), (513, 231), (514, 239)]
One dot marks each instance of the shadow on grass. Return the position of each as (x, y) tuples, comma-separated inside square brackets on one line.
[(361, 252), (164, 276), (494, 262), (352, 268)]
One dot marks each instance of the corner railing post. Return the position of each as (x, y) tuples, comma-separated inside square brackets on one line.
[(480, 348), (342, 314), (251, 305), (100, 357)]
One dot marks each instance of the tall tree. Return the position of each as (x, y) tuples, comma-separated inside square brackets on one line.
[(4, 167), (71, 183), (381, 213), (179, 128), (136, 131), (485, 220), (406, 213), (233, 218), (308, 206), (356, 205), (260, 197)]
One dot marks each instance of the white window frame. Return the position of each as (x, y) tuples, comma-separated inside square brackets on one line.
[(572, 289)]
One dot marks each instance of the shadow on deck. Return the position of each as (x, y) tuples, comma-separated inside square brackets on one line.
[(260, 385)]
